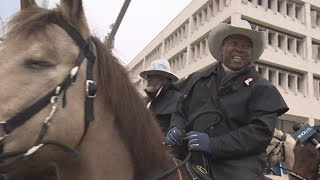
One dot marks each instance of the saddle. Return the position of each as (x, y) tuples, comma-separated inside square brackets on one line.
[(198, 168)]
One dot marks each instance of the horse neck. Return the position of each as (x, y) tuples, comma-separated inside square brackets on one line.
[(103, 154)]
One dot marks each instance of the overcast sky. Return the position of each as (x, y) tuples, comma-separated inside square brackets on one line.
[(143, 21)]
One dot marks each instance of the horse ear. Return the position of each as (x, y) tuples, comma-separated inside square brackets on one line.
[(27, 3), (73, 11)]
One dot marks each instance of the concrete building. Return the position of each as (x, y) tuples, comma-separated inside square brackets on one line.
[(291, 61)]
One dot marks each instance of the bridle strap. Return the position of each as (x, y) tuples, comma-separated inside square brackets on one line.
[(281, 142), (282, 138), (75, 35), (90, 84), (85, 51), (296, 175), (15, 156), (293, 174), (24, 115)]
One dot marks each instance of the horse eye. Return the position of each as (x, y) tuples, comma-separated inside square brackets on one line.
[(38, 64)]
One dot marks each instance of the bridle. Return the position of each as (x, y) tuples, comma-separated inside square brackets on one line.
[(281, 144), (53, 98)]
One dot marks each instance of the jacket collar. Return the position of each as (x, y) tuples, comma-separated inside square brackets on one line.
[(213, 70)]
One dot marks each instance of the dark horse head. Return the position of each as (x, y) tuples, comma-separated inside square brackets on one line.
[(307, 158)]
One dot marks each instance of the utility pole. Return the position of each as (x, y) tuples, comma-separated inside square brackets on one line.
[(116, 25), (45, 3), (2, 32)]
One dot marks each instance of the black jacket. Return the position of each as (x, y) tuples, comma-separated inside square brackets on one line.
[(164, 105), (239, 116)]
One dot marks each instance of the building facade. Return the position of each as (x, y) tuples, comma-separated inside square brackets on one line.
[(291, 60)]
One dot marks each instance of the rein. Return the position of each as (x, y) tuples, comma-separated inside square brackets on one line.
[(281, 143), (53, 98), (173, 169)]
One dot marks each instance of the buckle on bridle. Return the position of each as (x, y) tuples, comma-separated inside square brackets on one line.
[(91, 89)]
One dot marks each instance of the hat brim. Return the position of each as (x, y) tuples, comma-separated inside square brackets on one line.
[(169, 75), (222, 31)]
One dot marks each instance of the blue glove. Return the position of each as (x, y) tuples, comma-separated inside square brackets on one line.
[(199, 142), (174, 137)]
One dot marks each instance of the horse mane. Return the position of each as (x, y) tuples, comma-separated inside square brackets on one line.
[(144, 137), (138, 129), (31, 21)]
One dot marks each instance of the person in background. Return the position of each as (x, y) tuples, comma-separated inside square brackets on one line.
[(162, 95), (229, 112)]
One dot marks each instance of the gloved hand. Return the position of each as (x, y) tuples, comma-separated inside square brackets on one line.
[(173, 137), (198, 142)]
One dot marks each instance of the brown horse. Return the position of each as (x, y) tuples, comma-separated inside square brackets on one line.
[(307, 160), (47, 99)]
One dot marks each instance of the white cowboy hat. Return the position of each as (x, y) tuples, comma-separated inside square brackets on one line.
[(161, 67), (220, 32)]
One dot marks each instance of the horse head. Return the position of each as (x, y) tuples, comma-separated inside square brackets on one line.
[(307, 160), (53, 74), (37, 57), (280, 149)]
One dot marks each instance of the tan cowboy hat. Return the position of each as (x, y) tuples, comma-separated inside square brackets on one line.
[(161, 67), (220, 32)]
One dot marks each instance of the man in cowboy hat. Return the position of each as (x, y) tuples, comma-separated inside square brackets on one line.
[(229, 111), (162, 96)]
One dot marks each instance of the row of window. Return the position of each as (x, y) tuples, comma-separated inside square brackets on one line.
[(204, 14), (137, 69), (289, 9), (285, 7), (288, 81), (179, 61), (153, 55), (208, 11), (199, 50), (285, 42), (175, 38), (278, 40)]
